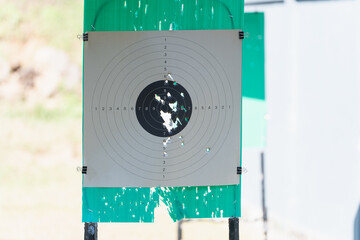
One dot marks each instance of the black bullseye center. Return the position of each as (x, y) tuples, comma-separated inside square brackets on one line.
[(166, 118), (165, 108)]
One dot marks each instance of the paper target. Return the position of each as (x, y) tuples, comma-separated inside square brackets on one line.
[(162, 108)]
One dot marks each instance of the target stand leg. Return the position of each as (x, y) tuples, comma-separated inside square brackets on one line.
[(180, 229), (233, 228), (90, 231)]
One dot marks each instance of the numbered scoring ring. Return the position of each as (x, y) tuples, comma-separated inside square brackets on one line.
[(163, 108)]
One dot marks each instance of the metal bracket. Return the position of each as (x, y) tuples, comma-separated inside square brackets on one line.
[(239, 170), (84, 170)]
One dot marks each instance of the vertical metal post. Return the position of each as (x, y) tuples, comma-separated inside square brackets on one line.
[(357, 225), (264, 209), (90, 231), (180, 229), (233, 228)]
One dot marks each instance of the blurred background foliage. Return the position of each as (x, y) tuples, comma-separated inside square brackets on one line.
[(33, 33), (57, 22), (40, 118)]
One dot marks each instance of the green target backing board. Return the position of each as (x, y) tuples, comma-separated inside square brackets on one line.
[(162, 108)]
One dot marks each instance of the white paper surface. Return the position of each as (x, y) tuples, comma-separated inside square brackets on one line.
[(118, 151)]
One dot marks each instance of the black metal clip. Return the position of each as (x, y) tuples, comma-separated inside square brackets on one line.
[(242, 34), (84, 170), (84, 37), (239, 170)]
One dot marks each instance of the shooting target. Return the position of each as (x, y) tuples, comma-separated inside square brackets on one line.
[(157, 100), (162, 108)]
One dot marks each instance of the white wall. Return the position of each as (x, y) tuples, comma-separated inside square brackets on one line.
[(313, 99)]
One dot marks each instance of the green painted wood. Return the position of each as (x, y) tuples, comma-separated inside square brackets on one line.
[(119, 204), (114, 204), (157, 15), (253, 66), (253, 83), (253, 123)]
